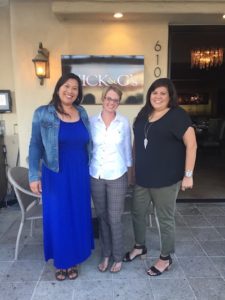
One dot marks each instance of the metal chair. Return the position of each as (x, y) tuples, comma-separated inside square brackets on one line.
[(214, 140), (30, 203)]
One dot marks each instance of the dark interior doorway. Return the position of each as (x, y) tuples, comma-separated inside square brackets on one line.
[(201, 93)]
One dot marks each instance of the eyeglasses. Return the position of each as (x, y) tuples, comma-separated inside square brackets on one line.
[(109, 99)]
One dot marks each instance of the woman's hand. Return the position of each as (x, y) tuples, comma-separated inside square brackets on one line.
[(35, 187), (187, 183)]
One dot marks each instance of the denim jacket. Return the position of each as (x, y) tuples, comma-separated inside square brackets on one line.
[(44, 139)]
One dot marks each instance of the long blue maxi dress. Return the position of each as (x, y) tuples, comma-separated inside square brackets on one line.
[(67, 224)]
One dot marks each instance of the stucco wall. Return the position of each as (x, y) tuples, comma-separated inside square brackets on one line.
[(34, 22), (7, 83)]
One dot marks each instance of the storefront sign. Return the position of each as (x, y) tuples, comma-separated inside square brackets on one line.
[(98, 72)]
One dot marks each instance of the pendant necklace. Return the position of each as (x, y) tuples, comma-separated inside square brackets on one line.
[(147, 127)]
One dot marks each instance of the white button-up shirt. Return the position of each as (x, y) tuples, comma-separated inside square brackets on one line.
[(111, 154)]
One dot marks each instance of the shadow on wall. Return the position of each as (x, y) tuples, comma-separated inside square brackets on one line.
[(134, 99), (89, 99)]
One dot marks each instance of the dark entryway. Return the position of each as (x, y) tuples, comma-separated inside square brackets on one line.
[(208, 112)]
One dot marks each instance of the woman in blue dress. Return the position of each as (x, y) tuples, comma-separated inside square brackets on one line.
[(61, 141)]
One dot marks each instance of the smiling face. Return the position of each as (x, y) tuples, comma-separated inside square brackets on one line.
[(68, 92), (159, 98), (111, 101)]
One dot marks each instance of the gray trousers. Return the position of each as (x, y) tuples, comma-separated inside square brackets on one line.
[(164, 202), (108, 197)]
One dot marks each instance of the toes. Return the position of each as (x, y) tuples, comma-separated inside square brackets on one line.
[(72, 273), (60, 275), (116, 267), (103, 266)]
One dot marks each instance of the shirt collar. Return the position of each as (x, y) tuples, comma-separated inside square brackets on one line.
[(117, 118)]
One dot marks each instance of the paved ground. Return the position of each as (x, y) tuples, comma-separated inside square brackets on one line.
[(198, 270)]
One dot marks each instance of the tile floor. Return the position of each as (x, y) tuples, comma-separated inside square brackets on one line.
[(197, 272)]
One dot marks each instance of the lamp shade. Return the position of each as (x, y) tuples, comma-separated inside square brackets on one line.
[(41, 63)]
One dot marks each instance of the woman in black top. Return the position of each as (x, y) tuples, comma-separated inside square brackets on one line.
[(164, 159)]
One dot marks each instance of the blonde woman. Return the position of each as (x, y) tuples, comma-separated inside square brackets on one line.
[(111, 159)]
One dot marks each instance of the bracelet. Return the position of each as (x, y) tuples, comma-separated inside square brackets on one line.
[(188, 173)]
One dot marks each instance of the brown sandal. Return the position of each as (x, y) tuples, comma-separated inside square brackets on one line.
[(72, 273), (116, 267), (60, 275), (103, 266)]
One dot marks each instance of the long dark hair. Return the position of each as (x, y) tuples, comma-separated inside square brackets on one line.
[(55, 97), (147, 108)]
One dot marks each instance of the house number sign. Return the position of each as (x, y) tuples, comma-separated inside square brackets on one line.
[(157, 70)]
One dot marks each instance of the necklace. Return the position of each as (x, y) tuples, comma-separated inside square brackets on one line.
[(147, 127)]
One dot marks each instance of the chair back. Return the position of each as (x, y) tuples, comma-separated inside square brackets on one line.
[(18, 177), (222, 131), (214, 127)]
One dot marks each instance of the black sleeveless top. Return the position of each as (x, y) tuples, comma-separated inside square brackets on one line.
[(162, 163)]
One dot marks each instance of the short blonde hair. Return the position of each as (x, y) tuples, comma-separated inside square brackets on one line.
[(112, 88)]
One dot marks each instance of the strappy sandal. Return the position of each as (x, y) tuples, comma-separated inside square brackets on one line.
[(142, 254), (72, 273), (60, 275), (155, 271), (116, 267), (103, 266)]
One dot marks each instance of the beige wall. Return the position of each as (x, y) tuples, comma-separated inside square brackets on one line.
[(26, 23), (35, 22), (7, 83)]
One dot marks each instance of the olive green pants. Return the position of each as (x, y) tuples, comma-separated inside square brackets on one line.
[(164, 202)]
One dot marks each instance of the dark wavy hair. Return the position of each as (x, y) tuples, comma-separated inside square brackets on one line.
[(55, 97), (147, 108)]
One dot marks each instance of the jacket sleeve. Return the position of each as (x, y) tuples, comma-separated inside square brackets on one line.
[(36, 148), (85, 119)]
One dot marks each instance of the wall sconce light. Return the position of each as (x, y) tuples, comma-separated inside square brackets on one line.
[(41, 63)]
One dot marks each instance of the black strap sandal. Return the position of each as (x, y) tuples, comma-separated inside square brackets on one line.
[(60, 275), (72, 273), (142, 254), (156, 272)]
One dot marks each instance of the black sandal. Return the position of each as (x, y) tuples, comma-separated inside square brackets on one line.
[(156, 271), (60, 275), (142, 254), (72, 273)]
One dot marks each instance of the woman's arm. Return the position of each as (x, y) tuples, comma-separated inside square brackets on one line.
[(86, 121), (132, 169), (36, 150), (190, 143), (128, 150)]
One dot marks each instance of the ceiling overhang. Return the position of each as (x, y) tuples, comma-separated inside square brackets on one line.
[(193, 12)]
